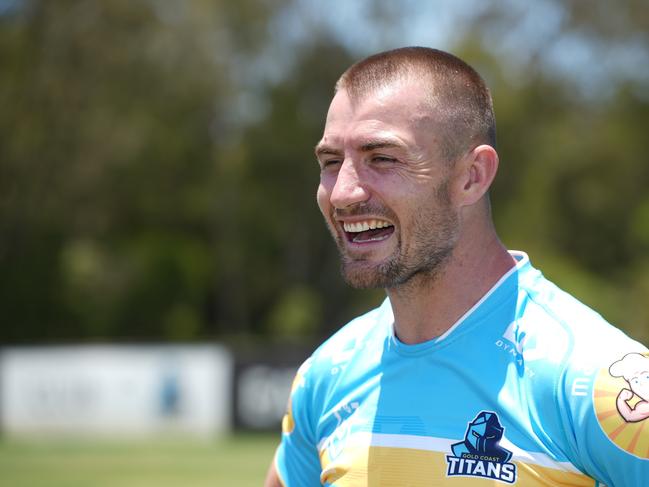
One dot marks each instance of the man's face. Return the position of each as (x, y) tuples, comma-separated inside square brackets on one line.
[(384, 187)]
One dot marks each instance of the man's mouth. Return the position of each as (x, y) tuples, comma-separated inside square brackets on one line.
[(368, 230)]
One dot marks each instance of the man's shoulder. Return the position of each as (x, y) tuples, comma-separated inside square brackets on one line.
[(364, 332), (571, 328)]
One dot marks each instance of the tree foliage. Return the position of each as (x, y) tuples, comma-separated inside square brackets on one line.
[(156, 185)]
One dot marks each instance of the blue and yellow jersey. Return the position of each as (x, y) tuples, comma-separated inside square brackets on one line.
[(530, 388)]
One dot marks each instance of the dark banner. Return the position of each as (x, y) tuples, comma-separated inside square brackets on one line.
[(262, 382)]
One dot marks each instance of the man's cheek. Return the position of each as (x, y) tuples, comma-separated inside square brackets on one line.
[(322, 197)]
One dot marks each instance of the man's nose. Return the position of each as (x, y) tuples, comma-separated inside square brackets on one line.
[(349, 188)]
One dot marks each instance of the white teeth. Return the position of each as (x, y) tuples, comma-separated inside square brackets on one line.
[(364, 226)]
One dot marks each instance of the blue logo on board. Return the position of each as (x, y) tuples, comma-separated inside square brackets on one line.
[(480, 454)]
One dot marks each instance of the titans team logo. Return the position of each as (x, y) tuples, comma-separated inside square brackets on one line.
[(480, 454)]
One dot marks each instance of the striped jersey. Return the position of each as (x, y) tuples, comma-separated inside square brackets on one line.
[(530, 388)]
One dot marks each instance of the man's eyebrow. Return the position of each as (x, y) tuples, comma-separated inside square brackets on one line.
[(379, 144), (321, 149), (368, 146)]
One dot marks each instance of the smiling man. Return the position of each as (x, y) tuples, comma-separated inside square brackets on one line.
[(475, 368)]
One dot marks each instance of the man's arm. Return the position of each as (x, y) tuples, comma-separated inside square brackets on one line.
[(272, 479), (296, 460), (595, 442)]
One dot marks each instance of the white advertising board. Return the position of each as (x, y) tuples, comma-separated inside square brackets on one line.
[(116, 390)]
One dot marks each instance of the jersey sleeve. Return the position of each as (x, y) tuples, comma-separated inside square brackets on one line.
[(606, 397), (296, 460)]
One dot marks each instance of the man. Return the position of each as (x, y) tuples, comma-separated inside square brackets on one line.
[(476, 370)]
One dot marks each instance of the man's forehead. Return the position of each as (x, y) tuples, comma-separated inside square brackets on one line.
[(392, 118), (409, 92), (396, 105)]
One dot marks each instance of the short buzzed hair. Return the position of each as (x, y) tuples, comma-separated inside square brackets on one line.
[(458, 96)]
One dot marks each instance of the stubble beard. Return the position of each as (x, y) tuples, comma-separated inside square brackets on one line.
[(433, 239)]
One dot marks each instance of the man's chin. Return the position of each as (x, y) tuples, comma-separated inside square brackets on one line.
[(364, 276)]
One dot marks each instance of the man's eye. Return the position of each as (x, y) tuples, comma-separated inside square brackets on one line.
[(383, 159), (327, 163)]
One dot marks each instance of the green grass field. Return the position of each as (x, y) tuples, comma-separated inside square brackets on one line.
[(238, 461)]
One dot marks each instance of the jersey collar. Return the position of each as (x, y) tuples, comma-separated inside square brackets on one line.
[(522, 263)]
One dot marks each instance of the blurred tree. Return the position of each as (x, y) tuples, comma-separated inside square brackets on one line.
[(282, 240), (157, 177), (107, 179)]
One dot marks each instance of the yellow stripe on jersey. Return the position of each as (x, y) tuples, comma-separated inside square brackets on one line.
[(379, 466)]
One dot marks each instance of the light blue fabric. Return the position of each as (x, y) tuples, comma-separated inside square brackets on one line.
[(528, 352)]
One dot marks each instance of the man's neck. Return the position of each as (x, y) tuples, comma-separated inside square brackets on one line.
[(425, 307)]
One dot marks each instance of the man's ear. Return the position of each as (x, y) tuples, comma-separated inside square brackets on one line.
[(476, 172)]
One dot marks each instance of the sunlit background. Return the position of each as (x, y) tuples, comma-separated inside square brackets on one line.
[(163, 264)]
